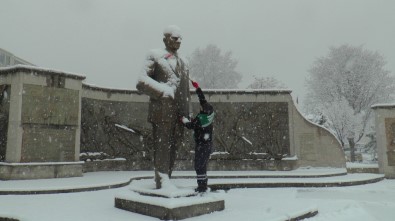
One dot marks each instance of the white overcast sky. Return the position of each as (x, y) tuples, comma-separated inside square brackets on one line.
[(108, 40)]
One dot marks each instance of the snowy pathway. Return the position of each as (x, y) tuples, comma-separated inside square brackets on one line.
[(370, 202)]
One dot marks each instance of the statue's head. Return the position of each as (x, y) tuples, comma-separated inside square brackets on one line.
[(172, 38)]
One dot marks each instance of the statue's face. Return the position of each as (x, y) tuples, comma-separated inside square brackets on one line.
[(172, 43)]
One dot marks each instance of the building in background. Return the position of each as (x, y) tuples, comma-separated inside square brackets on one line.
[(8, 59)]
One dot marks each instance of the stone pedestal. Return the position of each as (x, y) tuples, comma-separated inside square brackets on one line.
[(168, 203), (40, 111), (169, 208)]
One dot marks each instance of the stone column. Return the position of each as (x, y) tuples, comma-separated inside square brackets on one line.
[(44, 117), (385, 135)]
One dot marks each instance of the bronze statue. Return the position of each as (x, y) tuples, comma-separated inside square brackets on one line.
[(165, 80)]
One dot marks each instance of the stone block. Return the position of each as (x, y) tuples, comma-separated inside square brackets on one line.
[(391, 158), (70, 170), (43, 144), (25, 171), (169, 208), (46, 105)]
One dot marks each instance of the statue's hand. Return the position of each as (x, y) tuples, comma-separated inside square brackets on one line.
[(167, 95), (184, 120)]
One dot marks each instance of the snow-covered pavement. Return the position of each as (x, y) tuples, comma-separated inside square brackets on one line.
[(368, 202)]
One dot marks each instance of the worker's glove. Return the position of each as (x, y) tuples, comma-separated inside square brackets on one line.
[(195, 84)]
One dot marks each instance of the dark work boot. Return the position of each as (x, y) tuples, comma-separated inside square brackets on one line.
[(201, 189), (202, 185)]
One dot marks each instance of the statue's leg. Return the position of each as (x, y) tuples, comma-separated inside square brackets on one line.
[(177, 140), (162, 146)]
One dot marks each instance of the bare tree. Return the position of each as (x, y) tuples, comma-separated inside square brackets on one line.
[(266, 83), (343, 85), (212, 69)]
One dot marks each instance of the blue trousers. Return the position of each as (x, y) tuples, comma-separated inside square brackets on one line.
[(202, 155)]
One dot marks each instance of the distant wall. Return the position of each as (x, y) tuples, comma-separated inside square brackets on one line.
[(385, 134), (248, 125), (5, 91)]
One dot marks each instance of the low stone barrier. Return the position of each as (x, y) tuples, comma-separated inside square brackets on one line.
[(363, 170), (25, 171), (188, 164)]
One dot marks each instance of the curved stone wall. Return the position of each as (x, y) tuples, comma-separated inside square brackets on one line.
[(249, 124)]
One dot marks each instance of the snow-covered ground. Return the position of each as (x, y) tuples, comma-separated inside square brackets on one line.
[(370, 202)]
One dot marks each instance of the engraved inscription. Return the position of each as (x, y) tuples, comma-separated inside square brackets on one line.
[(55, 81), (49, 105), (390, 137), (42, 144)]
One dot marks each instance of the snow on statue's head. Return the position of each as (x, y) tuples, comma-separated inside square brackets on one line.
[(172, 38)]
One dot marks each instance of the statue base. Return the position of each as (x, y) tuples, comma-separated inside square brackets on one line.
[(169, 208), (169, 202)]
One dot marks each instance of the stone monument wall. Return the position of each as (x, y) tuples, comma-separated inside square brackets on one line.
[(55, 118), (249, 125), (40, 123)]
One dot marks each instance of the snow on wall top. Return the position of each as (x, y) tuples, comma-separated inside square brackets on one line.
[(250, 91), (208, 91), (39, 70), (95, 87), (385, 106)]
